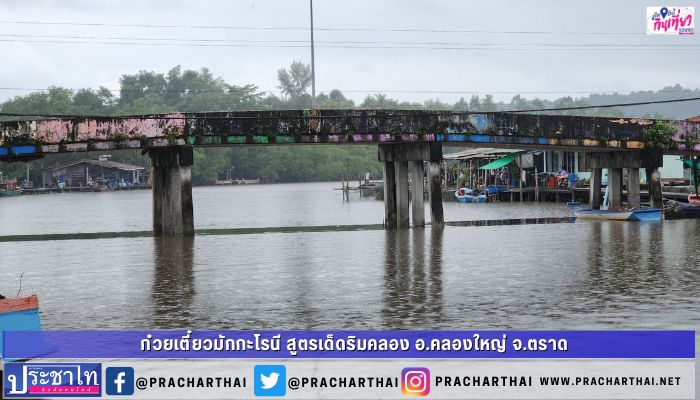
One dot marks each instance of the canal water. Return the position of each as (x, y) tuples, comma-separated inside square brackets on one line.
[(582, 275)]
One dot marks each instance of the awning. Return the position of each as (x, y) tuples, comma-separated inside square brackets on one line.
[(689, 164), (501, 162)]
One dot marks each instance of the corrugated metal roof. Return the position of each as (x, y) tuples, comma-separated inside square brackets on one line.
[(100, 163)]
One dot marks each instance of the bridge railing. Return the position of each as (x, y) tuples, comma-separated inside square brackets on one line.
[(333, 126)]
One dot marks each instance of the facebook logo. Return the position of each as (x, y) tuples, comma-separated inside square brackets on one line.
[(119, 381)]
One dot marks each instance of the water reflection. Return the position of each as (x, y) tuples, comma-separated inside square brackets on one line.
[(625, 260), (173, 282), (412, 279)]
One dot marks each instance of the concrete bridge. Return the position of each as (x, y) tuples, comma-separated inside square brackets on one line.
[(406, 138)]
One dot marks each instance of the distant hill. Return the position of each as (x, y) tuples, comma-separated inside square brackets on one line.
[(680, 110)]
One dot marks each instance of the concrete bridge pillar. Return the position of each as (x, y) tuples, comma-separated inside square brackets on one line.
[(172, 191), (615, 162), (402, 218), (389, 195), (417, 204), (437, 218), (396, 159), (615, 187), (633, 196), (654, 182), (594, 199)]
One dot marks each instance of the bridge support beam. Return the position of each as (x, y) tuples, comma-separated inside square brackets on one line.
[(417, 203), (396, 159), (654, 182), (389, 195), (402, 218), (615, 187), (437, 218), (594, 199), (615, 162), (633, 196), (172, 191)]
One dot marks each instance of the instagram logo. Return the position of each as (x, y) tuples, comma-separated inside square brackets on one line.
[(415, 381)]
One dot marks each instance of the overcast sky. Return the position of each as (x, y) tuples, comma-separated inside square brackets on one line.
[(528, 61)]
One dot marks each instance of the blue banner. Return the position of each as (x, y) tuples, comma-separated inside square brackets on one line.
[(349, 344)]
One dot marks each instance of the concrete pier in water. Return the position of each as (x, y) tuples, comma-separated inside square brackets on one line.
[(400, 159), (172, 191), (617, 163)]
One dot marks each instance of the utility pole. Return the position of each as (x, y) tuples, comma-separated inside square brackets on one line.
[(313, 66)]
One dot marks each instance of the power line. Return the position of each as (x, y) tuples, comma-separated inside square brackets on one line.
[(281, 28), (639, 103), (382, 47), (85, 116), (347, 42)]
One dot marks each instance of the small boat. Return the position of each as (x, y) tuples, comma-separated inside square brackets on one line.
[(694, 199), (19, 314), (574, 205), (678, 209), (647, 214), (10, 193), (465, 195), (9, 188)]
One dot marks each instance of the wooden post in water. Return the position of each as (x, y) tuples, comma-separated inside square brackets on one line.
[(537, 186), (520, 180), (594, 199)]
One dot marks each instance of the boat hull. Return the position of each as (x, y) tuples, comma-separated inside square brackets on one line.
[(19, 314), (649, 214), (682, 210), (10, 193), (471, 199), (465, 195)]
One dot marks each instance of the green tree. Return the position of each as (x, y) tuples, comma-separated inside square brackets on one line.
[(461, 105), (379, 100), (518, 103), (295, 80), (475, 103), (487, 104)]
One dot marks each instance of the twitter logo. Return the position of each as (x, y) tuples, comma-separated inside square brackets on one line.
[(270, 380)]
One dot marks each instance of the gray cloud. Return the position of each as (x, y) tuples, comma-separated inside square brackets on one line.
[(32, 65)]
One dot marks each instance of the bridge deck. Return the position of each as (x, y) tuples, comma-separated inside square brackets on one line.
[(32, 138)]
